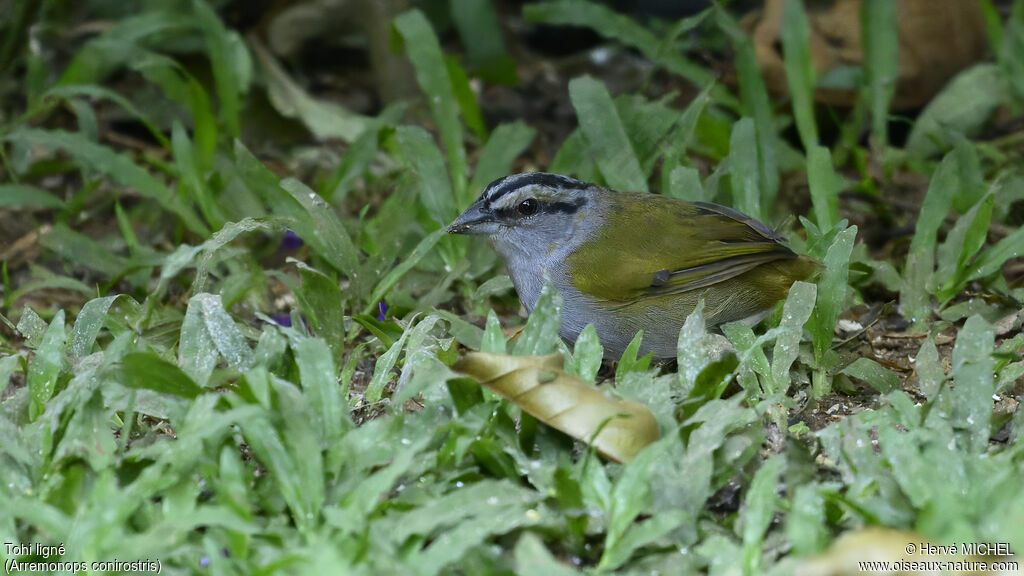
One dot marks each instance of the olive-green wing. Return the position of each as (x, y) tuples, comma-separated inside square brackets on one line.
[(652, 245)]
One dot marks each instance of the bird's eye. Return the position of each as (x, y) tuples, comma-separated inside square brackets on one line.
[(528, 207)]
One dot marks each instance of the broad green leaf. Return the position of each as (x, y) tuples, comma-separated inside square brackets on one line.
[(45, 367), (496, 286), (299, 480), (533, 558), (693, 348), (8, 364), (806, 520), (873, 373), (23, 196), (684, 184), (930, 374), (991, 259), (963, 106), (973, 384), (680, 139), (31, 327), (573, 158), (606, 135), (209, 249), (382, 369), (144, 370), (795, 313), (323, 305), (325, 120), (631, 497), (649, 125), (493, 341), (197, 354), (322, 229), (752, 357), (315, 221), (120, 43), (758, 509), (587, 354), (88, 324), (319, 381), (631, 361), (423, 49), (225, 335), (832, 287), (540, 334), (88, 435)]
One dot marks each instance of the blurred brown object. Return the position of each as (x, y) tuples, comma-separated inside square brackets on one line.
[(937, 39), (294, 23)]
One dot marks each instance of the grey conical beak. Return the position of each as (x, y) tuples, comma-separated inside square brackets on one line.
[(475, 220)]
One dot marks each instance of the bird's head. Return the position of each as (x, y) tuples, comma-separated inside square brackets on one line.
[(533, 212)]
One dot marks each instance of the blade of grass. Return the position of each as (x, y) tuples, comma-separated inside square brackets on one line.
[(881, 60), (466, 99), (832, 287), (395, 274), (606, 135), (191, 181), (611, 24), (229, 61), (743, 155), (325, 120), (423, 158), (23, 196), (479, 27), (756, 104), (800, 76), (915, 304), (760, 506), (424, 51), (117, 166), (825, 186), (506, 143)]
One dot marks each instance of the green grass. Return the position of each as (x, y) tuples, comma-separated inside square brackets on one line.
[(180, 386)]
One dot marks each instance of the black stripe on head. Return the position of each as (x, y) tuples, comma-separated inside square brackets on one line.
[(512, 213), (509, 184)]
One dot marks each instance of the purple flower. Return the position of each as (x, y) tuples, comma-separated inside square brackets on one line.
[(290, 241), (282, 320), (383, 311)]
